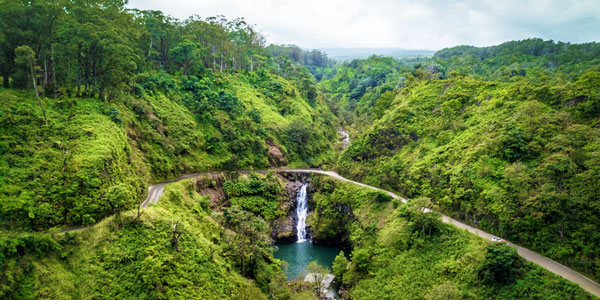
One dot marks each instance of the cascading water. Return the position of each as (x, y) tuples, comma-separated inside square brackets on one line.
[(301, 213), (299, 255)]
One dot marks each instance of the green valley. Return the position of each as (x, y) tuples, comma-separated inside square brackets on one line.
[(149, 157)]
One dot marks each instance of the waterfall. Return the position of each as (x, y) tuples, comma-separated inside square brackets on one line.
[(345, 138), (301, 213)]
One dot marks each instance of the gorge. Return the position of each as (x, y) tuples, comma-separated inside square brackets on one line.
[(148, 157)]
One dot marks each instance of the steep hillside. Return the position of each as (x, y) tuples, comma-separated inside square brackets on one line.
[(179, 249), (518, 159), (399, 252), (207, 238), (99, 100), (96, 157), (357, 89)]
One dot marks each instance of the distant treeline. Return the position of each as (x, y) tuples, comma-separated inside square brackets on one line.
[(94, 47)]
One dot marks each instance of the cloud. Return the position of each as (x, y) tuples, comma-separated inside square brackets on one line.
[(427, 24)]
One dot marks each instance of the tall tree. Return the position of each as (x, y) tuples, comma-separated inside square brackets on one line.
[(25, 56)]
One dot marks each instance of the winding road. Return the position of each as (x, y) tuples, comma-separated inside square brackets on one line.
[(155, 191)]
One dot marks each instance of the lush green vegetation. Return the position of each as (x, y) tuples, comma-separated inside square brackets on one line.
[(361, 88), (400, 252), (178, 249), (175, 250), (518, 158), (182, 96), (316, 61), (258, 194), (533, 59), (358, 88), (99, 100), (95, 157)]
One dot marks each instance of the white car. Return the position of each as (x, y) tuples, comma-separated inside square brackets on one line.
[(498, 240)]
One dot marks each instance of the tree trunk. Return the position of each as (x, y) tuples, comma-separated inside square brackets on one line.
[(45, 73), (562, 228), (95, 77), (86, 79), (78, 85), (36, 91), (150, 48), (6, 78), (214, 64), (79, 70), (52, 71), (221, 68)]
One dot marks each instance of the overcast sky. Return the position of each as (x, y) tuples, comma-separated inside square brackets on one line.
[(408, 24)]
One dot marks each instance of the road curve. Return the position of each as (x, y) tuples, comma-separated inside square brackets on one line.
[(155, 191)]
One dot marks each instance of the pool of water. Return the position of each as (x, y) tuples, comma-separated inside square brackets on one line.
[(298, 255)]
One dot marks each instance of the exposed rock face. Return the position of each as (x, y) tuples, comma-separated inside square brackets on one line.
[(212, 185), (284, 228), (344, 294), (345, 138), (276, 157)]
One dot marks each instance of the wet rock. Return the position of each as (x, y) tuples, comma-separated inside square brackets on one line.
[(344, 294), (345, 138), (283, 230)]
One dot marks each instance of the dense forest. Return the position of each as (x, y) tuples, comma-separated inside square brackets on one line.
[(98, 101)]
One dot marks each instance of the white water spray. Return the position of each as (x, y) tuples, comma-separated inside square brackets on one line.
[(301, 213)]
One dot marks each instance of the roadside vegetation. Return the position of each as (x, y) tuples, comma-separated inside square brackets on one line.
[(98, 101), (397, 251), (155, 99), (180, 248), (516, 155)]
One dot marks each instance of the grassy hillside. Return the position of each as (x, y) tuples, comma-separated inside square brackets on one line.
[(96, 157), (517, 159), (399, 252), (502, 137), (506, 138), (357, 89)]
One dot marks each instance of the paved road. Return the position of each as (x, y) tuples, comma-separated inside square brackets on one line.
[(155, 191)]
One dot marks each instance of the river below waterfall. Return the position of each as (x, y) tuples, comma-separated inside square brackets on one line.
[(298, 255)]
